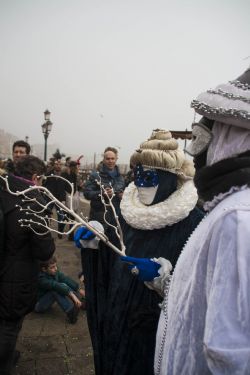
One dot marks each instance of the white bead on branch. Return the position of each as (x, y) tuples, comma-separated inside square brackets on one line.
[(41, 219)]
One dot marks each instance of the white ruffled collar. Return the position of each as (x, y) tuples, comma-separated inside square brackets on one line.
[(174, 209)]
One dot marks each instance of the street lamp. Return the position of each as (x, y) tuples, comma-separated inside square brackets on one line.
[(46, 129)]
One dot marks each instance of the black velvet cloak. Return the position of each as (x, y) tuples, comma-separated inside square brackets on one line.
[(122, 312)]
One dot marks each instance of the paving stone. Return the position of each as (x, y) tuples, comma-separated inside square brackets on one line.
[(42, 347), (77, 366), (25, 368), (56, 366), (32, 327), (78, 344)]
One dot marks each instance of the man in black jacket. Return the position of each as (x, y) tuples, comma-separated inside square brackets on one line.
[(21, 251)]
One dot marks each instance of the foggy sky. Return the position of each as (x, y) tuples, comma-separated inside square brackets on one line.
[(112, 71)]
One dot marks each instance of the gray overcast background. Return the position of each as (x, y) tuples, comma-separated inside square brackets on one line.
[(111, 71)]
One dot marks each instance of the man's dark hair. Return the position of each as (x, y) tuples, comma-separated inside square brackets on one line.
[(28, 166), (21, 143), (72, 164), (47, 263)]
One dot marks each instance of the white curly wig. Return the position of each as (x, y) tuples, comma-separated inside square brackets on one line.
[(161, 151)]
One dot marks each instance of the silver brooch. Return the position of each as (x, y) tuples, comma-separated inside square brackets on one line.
[(135, 271)]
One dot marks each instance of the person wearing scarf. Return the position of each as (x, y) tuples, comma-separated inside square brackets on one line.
[(205, 320)]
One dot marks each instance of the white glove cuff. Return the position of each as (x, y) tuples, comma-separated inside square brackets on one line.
[(164, 271), (94, 243)]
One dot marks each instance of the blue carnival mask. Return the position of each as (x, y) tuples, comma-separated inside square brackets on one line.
[(145, 178)]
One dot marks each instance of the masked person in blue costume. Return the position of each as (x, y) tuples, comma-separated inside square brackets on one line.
[(158, 214)]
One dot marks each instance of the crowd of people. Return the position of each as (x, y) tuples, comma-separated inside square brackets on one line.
[(177, 301)]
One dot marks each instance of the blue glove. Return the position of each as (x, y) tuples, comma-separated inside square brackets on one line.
[(83, 233), (145, 268)]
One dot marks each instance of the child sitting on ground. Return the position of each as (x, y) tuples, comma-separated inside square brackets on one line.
[(55, 286)]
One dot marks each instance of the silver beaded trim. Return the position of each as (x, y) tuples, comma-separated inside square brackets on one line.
[(165, 313), (165, 305), (229, 95), (231, 112), (243, 86)]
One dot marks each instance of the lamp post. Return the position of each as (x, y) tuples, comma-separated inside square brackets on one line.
[(46, 129)]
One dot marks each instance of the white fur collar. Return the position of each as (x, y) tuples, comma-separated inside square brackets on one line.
[(174, 209), (209, 205)]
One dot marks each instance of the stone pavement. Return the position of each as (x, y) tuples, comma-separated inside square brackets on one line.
[(48, 344)]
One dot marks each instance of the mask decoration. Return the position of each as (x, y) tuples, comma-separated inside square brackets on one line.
[(154, 186), (147, 182), (201, 138), (145, 177)]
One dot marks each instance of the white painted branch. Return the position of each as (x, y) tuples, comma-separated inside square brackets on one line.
[(76, 221), (117, 228)]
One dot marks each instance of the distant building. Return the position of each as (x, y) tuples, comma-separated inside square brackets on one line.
[(6, 142)]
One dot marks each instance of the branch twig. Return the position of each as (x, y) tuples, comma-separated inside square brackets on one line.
[(43, 221), (117, 228)]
